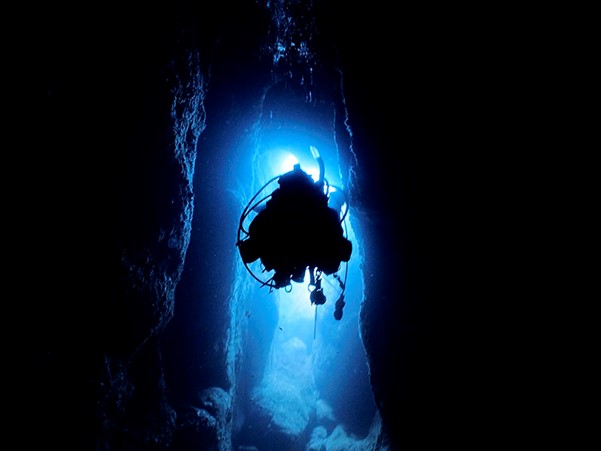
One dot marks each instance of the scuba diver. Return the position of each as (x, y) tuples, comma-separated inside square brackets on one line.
[(295, 231)]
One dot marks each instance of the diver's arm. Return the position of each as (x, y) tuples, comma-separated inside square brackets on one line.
[(322, 169)]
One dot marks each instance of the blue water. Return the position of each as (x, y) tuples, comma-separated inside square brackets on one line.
[(303, 378), (299, 377)]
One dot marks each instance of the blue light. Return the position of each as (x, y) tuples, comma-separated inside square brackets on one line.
[(288, 163), (305, 349), (287, 158)]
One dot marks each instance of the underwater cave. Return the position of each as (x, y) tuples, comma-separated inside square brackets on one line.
[(155, 134)]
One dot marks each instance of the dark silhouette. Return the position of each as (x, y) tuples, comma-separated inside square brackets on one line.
[(297, 230)]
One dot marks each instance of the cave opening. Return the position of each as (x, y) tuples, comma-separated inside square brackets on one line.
[(297, 378), (302, 375)]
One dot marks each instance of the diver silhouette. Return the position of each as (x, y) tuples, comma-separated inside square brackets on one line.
[(296, 230)]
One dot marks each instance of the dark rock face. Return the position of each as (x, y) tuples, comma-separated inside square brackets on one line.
[(128, 105)]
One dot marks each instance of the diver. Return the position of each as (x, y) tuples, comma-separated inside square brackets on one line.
[(296, 231)]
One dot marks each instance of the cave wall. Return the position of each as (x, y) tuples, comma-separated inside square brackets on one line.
[(113, 154)]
